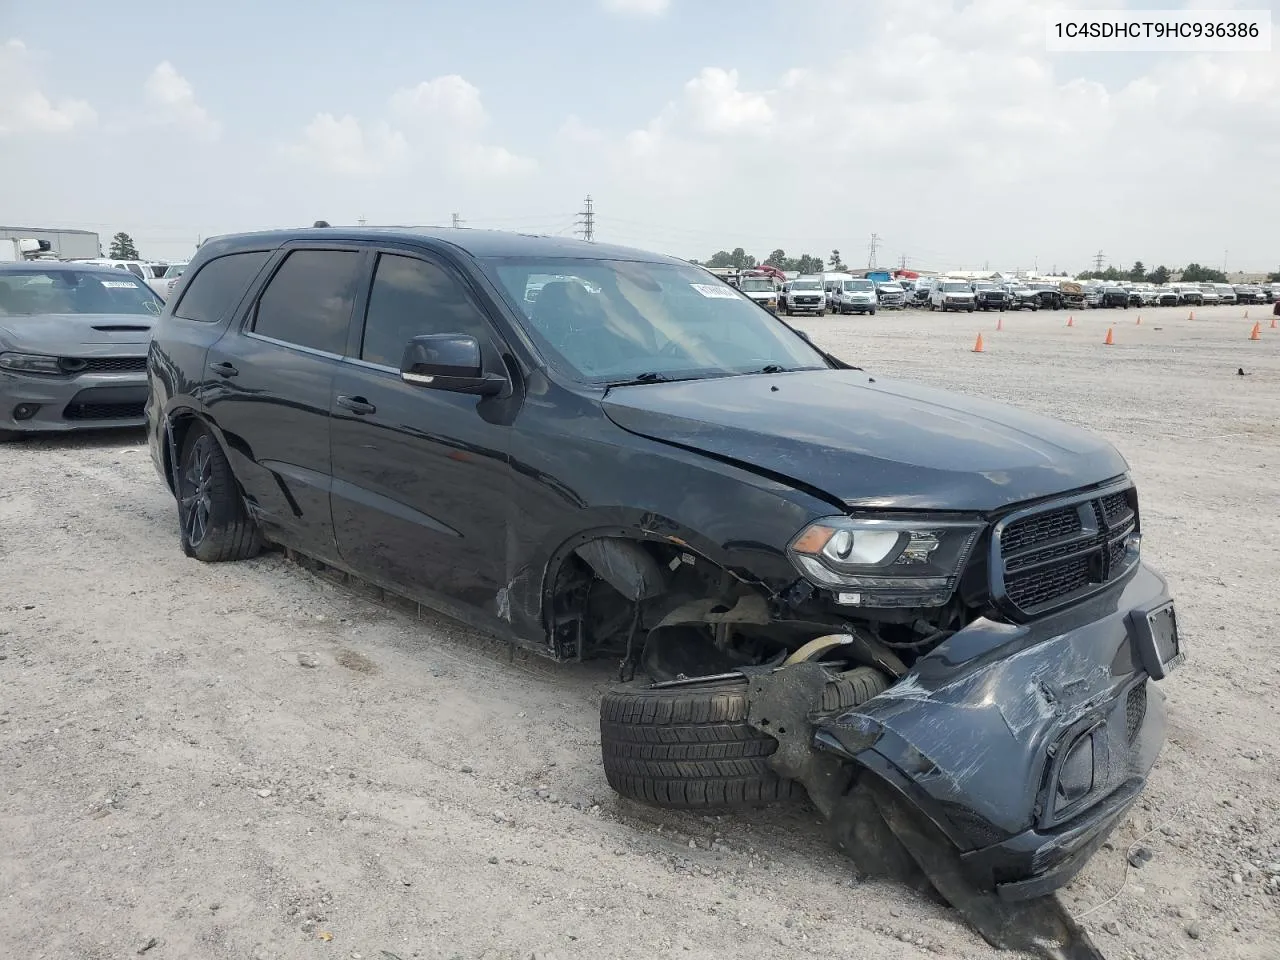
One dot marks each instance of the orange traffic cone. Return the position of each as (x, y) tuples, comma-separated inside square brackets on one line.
[(1191, 315), (1000, 323), (1257, 332), (1139, 320), (1070, 321), (1110, 339), (978, 347), (1273, 323)]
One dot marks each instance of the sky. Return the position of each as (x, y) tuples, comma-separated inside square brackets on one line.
[(943, 127)]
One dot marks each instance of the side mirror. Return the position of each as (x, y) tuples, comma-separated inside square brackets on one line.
[(448, 361)]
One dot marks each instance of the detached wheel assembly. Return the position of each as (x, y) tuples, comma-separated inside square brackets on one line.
[(690, 747)]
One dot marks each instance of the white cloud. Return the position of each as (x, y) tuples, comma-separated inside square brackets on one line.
[(943, 121), (436, 124), (24, 107), (447, 99), (171, 96), (342, 146), (641, 8)]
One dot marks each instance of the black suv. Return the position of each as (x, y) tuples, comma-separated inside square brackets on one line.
[(1113, 297), (592, 451), (988, 296)]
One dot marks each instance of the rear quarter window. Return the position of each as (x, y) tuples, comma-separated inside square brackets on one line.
[(214, 291)]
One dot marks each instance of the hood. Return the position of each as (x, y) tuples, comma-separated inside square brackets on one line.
[(70, 334), (871, 442)]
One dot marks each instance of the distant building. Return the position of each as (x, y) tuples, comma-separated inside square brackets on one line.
[(1238, 277), (65, 244)]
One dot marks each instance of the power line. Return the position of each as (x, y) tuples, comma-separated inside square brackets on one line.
[(587, 220), (871, 248)]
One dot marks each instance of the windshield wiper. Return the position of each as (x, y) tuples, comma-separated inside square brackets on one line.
[(772, 368), (649, 377)]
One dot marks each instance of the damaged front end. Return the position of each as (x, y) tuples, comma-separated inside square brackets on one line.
[(997, 765)]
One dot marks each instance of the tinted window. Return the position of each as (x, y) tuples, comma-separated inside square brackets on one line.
[(411, 298), (308, 302), (218, 287)]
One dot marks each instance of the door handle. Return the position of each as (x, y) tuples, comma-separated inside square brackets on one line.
[(357, 405), (223, 369)]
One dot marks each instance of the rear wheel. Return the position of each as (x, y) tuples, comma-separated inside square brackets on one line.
[(213, 522), (691, 747)]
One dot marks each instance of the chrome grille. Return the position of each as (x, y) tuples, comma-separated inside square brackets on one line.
[(1050, 556)]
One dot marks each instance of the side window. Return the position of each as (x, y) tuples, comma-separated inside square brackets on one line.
[(135, 270), (412, 298), (309, 300), (218, 287)]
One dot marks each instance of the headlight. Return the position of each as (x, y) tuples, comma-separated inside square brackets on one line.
[(885, 563), (29, 363)]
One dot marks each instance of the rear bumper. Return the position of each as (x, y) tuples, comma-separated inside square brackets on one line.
[(979, 744), (87, 402)]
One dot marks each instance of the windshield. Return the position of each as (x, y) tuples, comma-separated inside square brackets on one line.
[(174, 271), (756, 285), (806, 284), (607, 321), (855, 286), (28, 292), (984, 285), (954, 288)]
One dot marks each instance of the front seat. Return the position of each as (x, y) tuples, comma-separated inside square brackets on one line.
[(574, 322)]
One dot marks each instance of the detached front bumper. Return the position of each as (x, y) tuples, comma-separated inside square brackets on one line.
[(984, 742)]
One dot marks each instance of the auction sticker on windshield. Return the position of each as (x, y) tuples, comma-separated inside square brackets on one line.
[(715, 292), (119, 284)]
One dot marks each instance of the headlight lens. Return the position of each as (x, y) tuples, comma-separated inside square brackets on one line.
[(885, 562), (29, 363)]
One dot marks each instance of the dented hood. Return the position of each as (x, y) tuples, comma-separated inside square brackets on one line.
[(869, 441)]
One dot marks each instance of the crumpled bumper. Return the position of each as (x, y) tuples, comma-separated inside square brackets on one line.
[(978, 735)]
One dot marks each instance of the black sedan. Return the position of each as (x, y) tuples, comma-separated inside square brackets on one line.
[(1050, 296), (1022, 297)]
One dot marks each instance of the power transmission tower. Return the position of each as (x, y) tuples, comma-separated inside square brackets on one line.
[(587, 222), (872, 247), (457, 220), (902, 262), (362, 221), (1098, 260)]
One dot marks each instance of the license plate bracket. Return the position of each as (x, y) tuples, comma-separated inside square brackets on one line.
[(1156, 639)]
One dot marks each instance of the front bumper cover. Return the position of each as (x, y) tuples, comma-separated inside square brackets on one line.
[(969, 737)]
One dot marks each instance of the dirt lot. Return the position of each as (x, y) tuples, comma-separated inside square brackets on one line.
[(252, 761)]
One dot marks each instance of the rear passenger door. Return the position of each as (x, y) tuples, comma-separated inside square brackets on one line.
[(271, 379), (420, 476)]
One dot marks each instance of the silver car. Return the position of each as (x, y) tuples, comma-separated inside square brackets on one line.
[(73, 347)]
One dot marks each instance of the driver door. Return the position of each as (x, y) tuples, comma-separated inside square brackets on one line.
[(420, 476)]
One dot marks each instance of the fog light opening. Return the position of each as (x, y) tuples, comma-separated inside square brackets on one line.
[(25, 411), (1075, 778)]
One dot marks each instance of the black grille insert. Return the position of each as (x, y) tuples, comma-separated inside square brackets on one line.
[(103, 364), (104, 411), (1047, 558)]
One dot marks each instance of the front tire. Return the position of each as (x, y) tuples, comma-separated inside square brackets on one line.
[(691, 747), (213, 523)]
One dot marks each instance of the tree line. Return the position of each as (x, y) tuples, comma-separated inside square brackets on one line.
[(739, 259)]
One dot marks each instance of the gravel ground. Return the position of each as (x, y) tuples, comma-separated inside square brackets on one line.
[(251, 760)]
